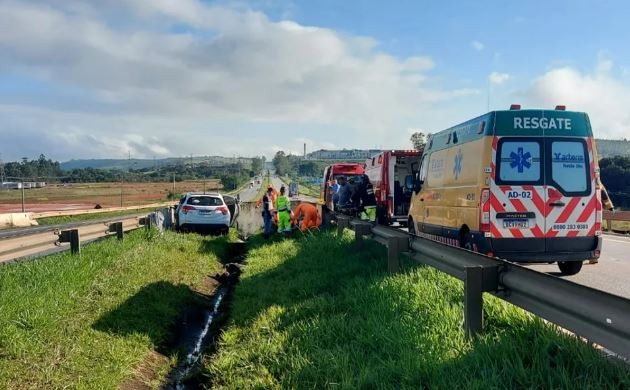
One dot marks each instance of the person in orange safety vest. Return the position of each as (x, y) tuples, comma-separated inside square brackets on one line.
[(311, 218)]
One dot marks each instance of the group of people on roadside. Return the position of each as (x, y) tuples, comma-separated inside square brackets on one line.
[(355, 196), (277, 207)]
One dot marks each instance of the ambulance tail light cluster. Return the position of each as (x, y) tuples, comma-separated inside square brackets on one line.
[(484, 211)]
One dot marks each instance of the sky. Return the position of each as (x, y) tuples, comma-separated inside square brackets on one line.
[(170, 78)]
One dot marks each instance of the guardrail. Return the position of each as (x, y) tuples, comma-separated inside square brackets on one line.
[(610, 216), (598, 316), (43, 242)]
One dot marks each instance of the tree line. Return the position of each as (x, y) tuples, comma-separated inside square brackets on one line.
[(290, 165), (45, 169)]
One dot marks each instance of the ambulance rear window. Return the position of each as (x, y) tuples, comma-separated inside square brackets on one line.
[(569, 166), (519, 161)]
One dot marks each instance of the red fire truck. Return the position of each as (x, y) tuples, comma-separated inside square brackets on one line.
[(331, 173), (391, 173)]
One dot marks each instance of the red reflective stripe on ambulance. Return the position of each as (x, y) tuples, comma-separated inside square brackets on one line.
[(496, 205), (516, 233), (588, 210), (495, 232), (537, 232), (537, 200), (573, 233), (568, 209), (518, 205)]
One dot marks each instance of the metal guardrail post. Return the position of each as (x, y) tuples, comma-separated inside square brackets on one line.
[(395, 245), (360, 230), (71, 236), (117, 227), (75, 244), (473, 301), (342, 223)]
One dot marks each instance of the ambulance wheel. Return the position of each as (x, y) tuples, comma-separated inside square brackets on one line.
[(570, 267), (466, 239), (412, 227)]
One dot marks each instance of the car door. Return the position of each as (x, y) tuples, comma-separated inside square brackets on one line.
[(572, 200), (517, 195)]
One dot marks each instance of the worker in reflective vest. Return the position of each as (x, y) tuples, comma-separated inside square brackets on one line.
[(283, 207)]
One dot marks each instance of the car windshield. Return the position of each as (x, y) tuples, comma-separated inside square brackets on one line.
[(205, 201)]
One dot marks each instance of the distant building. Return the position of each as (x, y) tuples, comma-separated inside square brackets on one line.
[(343, 154)]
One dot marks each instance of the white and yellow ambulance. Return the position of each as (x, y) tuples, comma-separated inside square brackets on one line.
[(517, 184)]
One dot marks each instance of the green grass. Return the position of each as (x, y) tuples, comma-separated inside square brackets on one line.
[(89, 321), (92, 216), (314, 313), (623, 226)]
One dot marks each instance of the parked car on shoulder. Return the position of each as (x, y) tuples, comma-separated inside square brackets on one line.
[(206, 211)]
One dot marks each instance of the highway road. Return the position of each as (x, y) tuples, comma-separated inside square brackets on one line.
[(611, 274)]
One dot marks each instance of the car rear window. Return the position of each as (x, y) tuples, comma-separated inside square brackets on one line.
[(569, 168), (205, 201)]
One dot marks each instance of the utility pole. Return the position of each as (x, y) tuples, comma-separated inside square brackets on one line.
[(173, 184), (121, 190), (23, 208)]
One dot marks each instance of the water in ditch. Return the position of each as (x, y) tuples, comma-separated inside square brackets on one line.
[(201, 325)]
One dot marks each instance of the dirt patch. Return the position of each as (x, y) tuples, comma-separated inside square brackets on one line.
[(76, 196), (146, 375)]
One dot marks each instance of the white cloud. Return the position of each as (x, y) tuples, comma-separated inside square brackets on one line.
[(136, 65), (477, 45), (600, 93), (497, 78)]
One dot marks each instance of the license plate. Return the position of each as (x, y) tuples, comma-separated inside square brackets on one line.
[(205, 211), (516, 223)]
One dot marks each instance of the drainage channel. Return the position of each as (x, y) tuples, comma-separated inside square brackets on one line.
[(202, 327)]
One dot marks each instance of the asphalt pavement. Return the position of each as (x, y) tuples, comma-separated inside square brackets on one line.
[(610, 274)]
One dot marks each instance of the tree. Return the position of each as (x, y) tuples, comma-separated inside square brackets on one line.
[(257, 164), (281, 162), (419, 139)]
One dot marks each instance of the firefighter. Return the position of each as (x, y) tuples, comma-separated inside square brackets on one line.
[(283, 208), (363, 197), (311, 218)]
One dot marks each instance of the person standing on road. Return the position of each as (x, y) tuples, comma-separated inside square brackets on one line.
[(283, 208), (267, 204)]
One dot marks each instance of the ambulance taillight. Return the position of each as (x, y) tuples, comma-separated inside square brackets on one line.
[(484, 212)]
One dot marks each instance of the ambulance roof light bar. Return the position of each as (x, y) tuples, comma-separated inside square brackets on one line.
[(515, 107), (561, 107)]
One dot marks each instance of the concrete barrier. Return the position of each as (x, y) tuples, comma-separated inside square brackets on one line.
[(9, 220)]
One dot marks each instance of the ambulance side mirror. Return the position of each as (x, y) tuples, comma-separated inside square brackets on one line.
[(409, 183), (417, 185)]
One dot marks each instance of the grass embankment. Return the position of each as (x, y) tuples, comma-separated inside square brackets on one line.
[(305, 188), (100, 319), (618, 226), (91, 216), (314, 313)]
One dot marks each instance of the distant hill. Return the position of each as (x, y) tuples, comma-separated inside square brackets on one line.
[(610, 148), (136, 163)]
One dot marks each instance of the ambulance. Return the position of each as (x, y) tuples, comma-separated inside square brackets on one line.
[(522, 185), (388, 171), (331, 173)]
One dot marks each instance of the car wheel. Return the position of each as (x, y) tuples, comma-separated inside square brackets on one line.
[(570, 267)]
